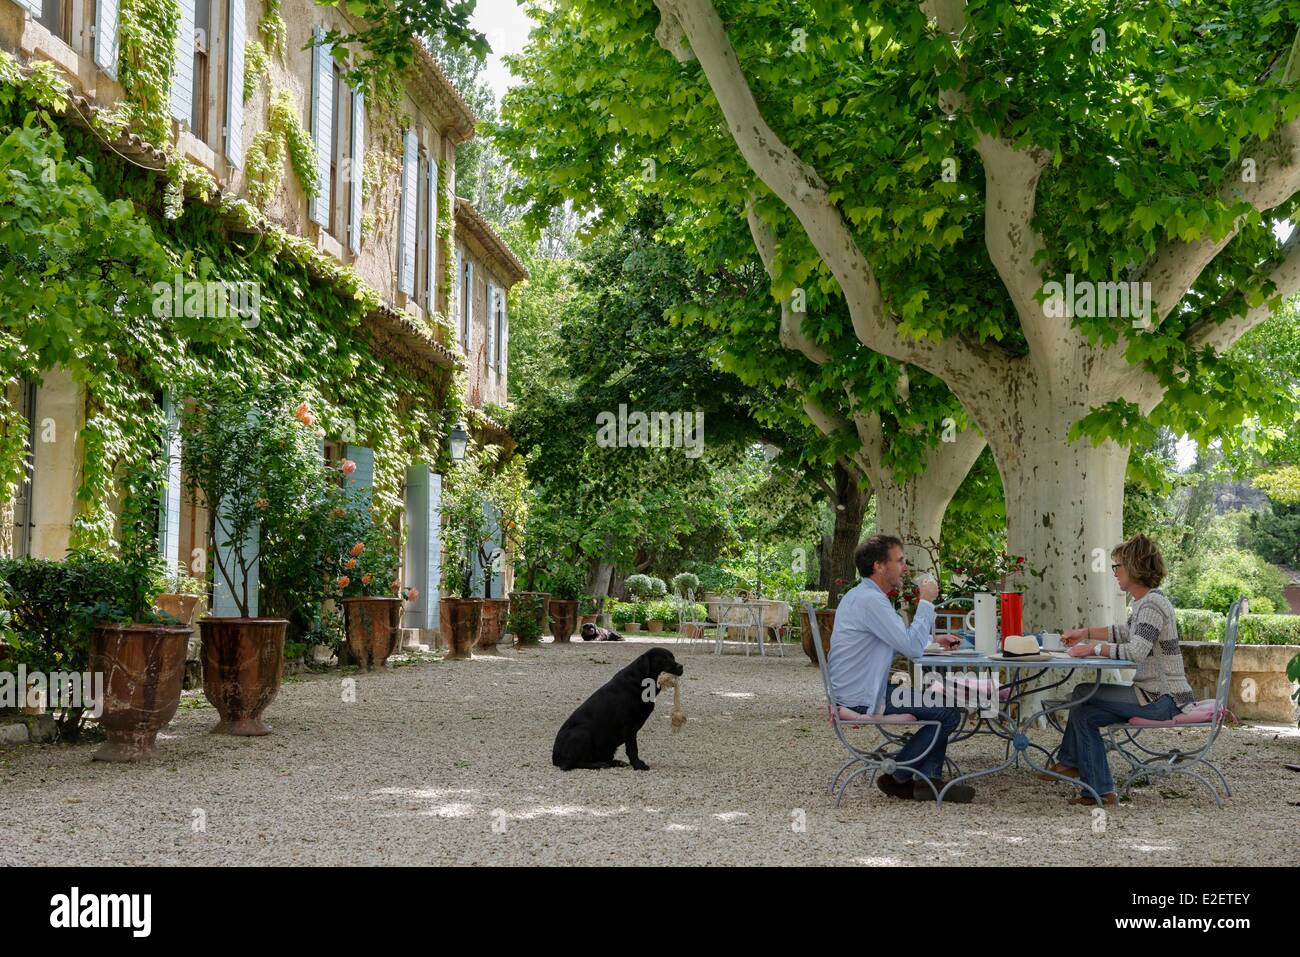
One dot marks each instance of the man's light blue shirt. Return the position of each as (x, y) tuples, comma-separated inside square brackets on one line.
[(867, 633)]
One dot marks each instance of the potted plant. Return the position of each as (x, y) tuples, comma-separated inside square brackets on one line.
[(252, 452), (528, 612), (588, 607), (366, 580), (659, 611), (566, 587), (686, 584), (139, 652), (825, 621)]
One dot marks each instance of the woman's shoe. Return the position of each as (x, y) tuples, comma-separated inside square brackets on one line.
[(1108, 799), (1059, 768)]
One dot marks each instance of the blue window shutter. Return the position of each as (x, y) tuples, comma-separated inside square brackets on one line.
[(235, 33), (498, 564), (431, 282), (364, 476), (410, 193), (106, 13), (423, 544), (223, 600), (169, 521), (322, 123), (455, 295), (183, 65), (356, 163), (503, 356), (491, 334), (469, 307)]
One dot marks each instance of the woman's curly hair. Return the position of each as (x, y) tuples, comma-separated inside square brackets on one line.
[(1142, 560)]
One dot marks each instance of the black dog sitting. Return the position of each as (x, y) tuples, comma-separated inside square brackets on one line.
[(613, 715), (592, 632)]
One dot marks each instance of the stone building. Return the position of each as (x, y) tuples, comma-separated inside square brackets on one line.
[(383, 177)]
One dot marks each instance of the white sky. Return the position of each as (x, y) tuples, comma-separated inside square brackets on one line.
[(506, 27)]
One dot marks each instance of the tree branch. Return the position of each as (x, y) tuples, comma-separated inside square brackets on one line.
[(799, 186), (1010, 192), (792, 334), (1221, 336)]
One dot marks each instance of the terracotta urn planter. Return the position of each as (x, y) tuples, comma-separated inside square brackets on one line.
[(180, 607), (142, 668), (243, 659), (372, 624), (655, 624), (825, 624), (564, 618), (461, 620), (533, 604), (586, 620), (493, 628)]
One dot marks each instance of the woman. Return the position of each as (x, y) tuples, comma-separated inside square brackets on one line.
[(1150, 638)]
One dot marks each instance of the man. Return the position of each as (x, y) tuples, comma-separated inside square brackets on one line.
[(868, 631)]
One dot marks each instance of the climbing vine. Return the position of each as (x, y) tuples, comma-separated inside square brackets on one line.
[(146, 51), (283, 137), (257, 67)]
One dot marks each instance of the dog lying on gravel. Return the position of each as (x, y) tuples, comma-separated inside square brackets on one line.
[(613, 715), (592, 632)]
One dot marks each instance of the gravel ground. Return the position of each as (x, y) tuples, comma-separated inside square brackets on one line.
[(445, 762)]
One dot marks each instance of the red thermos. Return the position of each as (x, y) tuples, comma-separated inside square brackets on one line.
[(1012, 611)]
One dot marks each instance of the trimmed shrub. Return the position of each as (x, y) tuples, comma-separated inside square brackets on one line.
[(684, 582), (1196, 625)]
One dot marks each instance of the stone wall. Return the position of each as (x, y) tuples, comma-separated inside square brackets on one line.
[(1259, 690)]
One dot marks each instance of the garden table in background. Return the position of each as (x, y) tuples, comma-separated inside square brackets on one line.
[(1022, 685)]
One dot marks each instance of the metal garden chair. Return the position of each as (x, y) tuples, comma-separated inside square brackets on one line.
[(1207, 715), (861, 760)]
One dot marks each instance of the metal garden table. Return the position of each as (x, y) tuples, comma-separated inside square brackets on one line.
[(1012, 729)]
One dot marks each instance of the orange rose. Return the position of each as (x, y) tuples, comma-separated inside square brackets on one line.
[(348, 467), (352, 563), (358, 548), (413, 594), (344, 581), (365, 579)]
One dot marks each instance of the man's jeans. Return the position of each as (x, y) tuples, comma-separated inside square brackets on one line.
[(932, 764), (1082, 746)]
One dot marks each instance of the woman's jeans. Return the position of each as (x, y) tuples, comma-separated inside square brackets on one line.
[(1082, 746)]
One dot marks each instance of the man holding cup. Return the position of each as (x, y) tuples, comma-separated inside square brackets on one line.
[(868, 631)]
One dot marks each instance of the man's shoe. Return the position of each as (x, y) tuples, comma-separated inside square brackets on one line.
[(1108, 799), (1059, 768), (894, 787), (957, 794)]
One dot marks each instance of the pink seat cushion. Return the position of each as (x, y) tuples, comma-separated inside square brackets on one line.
[(1200, 713), (848, 714)]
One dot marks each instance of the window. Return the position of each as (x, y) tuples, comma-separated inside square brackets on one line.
[(202, 58), (56, 16), (498, 331), (338, 154), (466, 302), (422, 232)]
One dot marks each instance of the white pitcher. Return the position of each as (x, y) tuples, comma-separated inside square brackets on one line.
[(984, 622)]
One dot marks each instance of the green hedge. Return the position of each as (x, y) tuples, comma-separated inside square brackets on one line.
[(1195, 624)]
